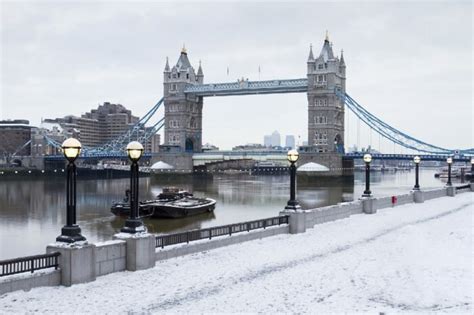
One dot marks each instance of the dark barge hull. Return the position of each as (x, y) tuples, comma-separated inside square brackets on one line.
[(124, 210), (163, 210), (169, 211)]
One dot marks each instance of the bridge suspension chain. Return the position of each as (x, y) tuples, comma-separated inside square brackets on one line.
[(393, 134), (136, 132)]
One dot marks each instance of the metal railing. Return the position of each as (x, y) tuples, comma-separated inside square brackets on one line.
[(29, 263), (209, 233), (466, 186)]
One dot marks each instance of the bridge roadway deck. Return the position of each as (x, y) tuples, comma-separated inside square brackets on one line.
[(245, 87)]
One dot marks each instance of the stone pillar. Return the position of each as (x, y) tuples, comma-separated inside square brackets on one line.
[(297, 220), (77, 262), (418, 196), (451, 191), (369, 206), (140, 250), (472, 185)]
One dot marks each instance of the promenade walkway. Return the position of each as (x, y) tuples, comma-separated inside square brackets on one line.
[(412, 258)]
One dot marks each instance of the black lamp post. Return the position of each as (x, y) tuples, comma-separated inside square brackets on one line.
[(367, 160), (71, 232), (134, 224), (292, 204), (449, 160), (417, 160)]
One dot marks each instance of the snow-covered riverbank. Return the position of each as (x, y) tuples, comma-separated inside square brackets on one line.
[(412, 258)]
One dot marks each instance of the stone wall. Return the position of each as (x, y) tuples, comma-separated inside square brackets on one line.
[(434, 193), (110, 257), (332, 213), (28, 281), (346, 209)]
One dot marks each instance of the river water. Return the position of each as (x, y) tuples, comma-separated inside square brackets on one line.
[(32, 211)]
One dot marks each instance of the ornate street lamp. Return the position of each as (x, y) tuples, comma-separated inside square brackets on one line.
[(292, 204), (367, 160), (449, 160), (71, 232), (134, 224), (417, 160)]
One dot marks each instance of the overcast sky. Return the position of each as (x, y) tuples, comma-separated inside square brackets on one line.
[(409, 63)]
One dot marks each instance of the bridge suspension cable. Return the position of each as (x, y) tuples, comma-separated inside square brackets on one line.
[(393, 134)]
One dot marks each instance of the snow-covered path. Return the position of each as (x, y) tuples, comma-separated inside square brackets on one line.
[(413, 258)]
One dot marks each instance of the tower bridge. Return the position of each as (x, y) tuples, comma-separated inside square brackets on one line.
[(184, 92)]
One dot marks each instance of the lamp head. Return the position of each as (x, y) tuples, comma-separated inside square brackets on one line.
[(71, 149), (449, 160), (367, 158), (134, 151), (293, 156), (416, 159)]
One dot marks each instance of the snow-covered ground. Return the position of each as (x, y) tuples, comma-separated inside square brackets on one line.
[(413, 258)]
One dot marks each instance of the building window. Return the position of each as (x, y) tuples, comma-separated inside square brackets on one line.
[(320, 66), (321, 102), (174, 139), (321, 120), (172, 108), (173, 87), (174, 124), (320, 138), (192, 123), (321, 78)]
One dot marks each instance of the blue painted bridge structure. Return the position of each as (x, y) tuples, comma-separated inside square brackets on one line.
[(182, 85), (114, 149)]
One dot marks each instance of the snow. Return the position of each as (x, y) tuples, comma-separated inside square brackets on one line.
[(111, 242), (312, 167), (143, 234), (416, 258), (79, 244), (161, 165)]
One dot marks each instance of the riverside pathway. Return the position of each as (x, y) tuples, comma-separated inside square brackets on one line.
[(412, 258)]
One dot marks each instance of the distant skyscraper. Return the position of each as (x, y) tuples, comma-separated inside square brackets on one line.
[(290, 141), (267, 141), (276, 142)]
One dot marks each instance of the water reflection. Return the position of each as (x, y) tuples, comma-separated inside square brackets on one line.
[(32, 211)]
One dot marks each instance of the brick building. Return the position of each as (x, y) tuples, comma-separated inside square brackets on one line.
[(15, 136)]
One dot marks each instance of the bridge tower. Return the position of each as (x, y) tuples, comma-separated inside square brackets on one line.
[(183, 114), (325, 110)]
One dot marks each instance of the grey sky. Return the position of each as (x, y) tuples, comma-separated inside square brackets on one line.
[(409, 63)]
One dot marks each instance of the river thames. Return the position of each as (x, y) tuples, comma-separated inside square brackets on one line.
[(32, 211)]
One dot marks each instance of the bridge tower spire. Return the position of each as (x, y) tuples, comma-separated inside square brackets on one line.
[(325, 110), (183, 115)]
